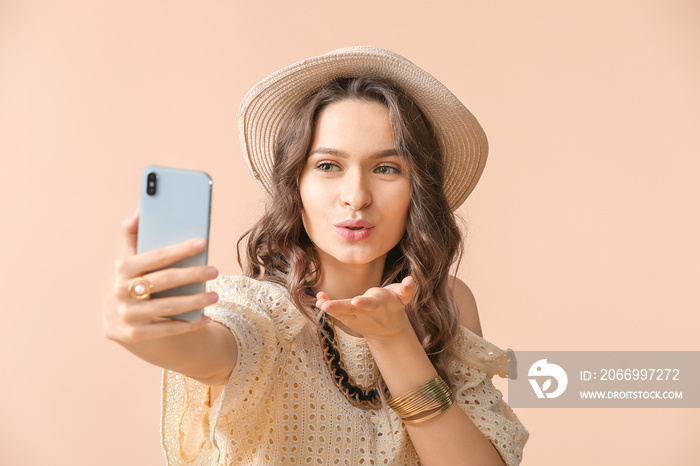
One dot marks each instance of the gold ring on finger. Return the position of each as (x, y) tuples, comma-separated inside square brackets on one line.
[(140, 288)]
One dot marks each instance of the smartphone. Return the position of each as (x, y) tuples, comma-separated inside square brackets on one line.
[(175, 206)]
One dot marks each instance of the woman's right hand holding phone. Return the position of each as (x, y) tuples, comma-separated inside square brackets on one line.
[(142, 325)]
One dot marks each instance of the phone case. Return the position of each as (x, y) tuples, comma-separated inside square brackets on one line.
[(177, 208)]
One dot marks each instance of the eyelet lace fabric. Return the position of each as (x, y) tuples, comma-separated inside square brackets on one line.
[(280, 405)]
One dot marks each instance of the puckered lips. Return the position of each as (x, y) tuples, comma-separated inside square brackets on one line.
[(354, 230)]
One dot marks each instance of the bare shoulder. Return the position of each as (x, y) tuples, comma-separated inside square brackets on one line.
[(466, 304)]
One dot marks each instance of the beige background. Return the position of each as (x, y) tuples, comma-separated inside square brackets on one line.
[(582, 233)]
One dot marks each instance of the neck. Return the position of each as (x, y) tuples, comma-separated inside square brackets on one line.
[(345, 281)]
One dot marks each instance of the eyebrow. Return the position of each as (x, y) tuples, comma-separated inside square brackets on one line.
[(341, 154)]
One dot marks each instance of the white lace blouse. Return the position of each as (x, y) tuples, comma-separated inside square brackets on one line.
[(280, 405)]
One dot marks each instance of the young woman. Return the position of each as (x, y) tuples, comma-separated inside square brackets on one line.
[(347, 342)]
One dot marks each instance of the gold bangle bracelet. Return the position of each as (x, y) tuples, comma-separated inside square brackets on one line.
[(433, 385), (429, 416), (433, 394)]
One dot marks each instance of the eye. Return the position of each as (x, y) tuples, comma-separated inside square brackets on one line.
[(387, 170), (327, 167)]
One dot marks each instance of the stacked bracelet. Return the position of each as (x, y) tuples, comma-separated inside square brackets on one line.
[(433, 395)]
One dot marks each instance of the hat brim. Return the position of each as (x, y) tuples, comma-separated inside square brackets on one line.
[(460, 136)]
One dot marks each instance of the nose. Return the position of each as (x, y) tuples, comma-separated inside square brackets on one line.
[(356, 192)]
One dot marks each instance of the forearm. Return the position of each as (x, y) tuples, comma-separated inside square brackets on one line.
[(207, 354), (450, 438)]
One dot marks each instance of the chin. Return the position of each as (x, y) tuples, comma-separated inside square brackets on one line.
[(364, 258)]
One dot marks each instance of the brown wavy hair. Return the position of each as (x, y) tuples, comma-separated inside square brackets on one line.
[(279, 250)]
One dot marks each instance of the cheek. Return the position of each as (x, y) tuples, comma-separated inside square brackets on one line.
[(404, 220), (304, 197), (404, 206), (401, 211), (313, 213)]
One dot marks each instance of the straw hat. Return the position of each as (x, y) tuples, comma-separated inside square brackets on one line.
[(461, 138)]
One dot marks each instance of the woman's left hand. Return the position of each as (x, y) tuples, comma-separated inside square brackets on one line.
[(378, 314)]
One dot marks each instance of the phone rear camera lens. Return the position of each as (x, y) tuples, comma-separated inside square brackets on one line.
[(151, 184)]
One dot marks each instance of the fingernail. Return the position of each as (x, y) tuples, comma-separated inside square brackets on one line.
[(213, 297), (205, 320), (199, 244), (211, 272)]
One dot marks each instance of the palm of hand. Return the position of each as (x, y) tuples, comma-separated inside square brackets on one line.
[(378, 314)]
